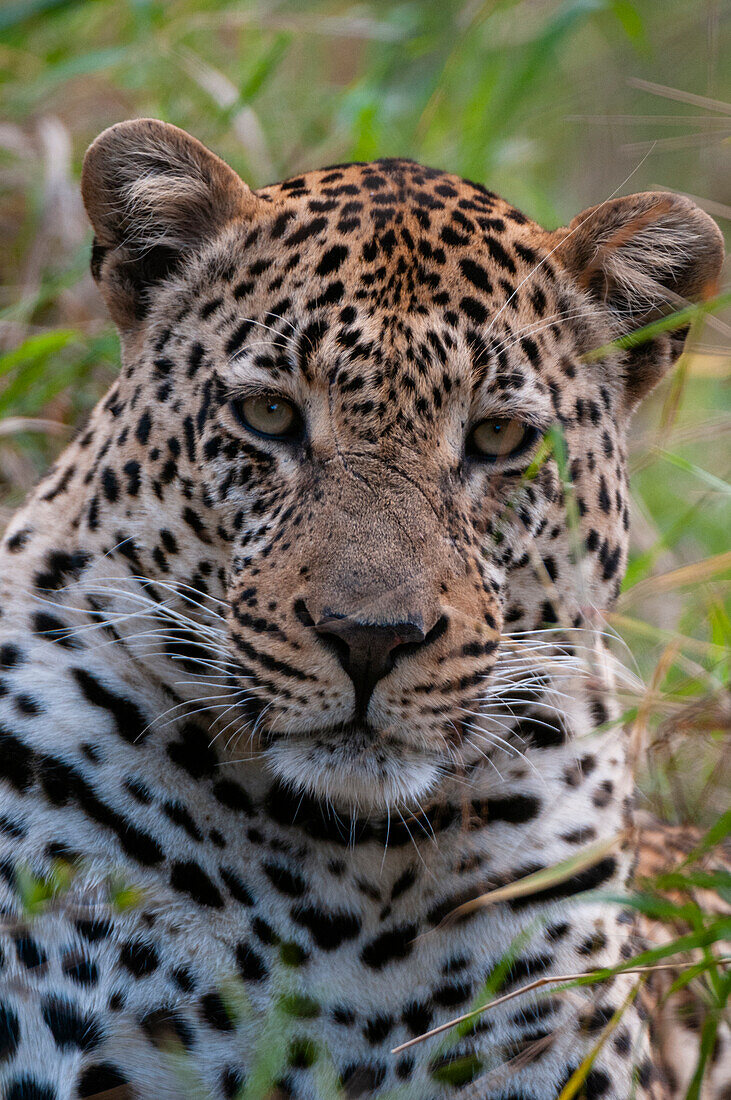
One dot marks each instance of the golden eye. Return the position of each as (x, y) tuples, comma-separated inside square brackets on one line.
[(498, 437), (268, 415)]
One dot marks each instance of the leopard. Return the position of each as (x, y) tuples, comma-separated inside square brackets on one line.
[(312, 737)]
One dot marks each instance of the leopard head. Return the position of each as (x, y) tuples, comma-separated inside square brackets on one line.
[(337, 390)]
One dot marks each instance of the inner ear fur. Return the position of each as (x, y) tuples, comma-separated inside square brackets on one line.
[(640, 258), (153, 195)]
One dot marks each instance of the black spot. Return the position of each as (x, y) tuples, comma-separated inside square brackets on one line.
[(597, 1019), (474, 310), (291, 954), (179, 815), (80, 969), (623, 1043), (362, 1079), (9, 1032), (302, 1053), (132, 472), (94, 930), (233, 795), (29, 1088), (604, 500), (237, 337), (343, 1015), (110, 484), (215, 1013), (163, 1027), (499, 254), (142, 431), (9, 656), (405, 1067), (288, 808), (252, 967), (596, 1085), (183, 979), (99, 1079), (592, 944), (331, 294), (377, 1028), (139, 958), (48, 626), (26, 706), (389, 946), (589, 879), (29, 953), (611, 562), (61, 566), (307, 230), (331, 260), (209, 308), (403, 883), (264, 931), (328, 930), (284, 879), (16, 542), (16, 761), (70, 1028), (452, 993), (530, 347), (10, 827), (188, 877), (237, 887), (452, 237), (193, 752), (280, 223), (93, 513), (526, 967), (514, 809), (232, 1081), (476, 274), (543, 733), (128, 718)]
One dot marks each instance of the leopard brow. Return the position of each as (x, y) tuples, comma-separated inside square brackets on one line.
[(486, 403)]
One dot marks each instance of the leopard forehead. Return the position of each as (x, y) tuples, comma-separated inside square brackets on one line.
[(408, 301), (392, 265)]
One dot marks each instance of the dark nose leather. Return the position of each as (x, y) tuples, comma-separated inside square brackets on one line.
[(368, 651)]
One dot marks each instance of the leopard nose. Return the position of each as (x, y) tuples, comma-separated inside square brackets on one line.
[(368, 651)]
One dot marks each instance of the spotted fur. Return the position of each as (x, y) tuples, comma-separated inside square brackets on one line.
[(179, 715)]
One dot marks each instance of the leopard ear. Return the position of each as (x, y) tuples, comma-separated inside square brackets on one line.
[(641, 257), (153, 195)]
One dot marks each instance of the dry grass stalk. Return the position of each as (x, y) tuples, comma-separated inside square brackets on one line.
[(539, 983)]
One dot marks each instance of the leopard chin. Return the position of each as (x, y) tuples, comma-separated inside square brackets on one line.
[(355, 767)]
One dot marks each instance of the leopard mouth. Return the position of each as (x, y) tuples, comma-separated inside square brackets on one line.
[(353, 732), (354, 763)]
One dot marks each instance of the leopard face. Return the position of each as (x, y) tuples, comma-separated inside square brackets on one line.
[(337, 392)]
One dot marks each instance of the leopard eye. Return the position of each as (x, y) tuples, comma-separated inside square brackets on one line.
[(498, 437), (269, 415)]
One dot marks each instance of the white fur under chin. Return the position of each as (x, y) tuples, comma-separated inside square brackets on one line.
[(357, 779)]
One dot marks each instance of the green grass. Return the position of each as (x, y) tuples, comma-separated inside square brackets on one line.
[(555, 103)]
